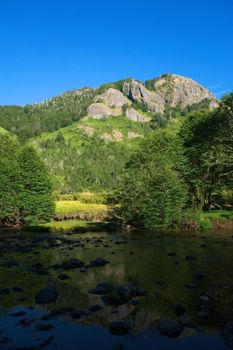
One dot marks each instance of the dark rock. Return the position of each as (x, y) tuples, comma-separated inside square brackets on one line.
[(46, 295), (38, 269), (18, 313), (98, 262), (44, 327), (159, 282), (72, 264), (24, 322), (171, 254), (170, 328), (204, 313), (191, 258), (179, 310), (119, 328), (4, 291), (77, 314), (101, 288), (200, 275), (95, 308), (63, 277), (190, 286), (17, 289)]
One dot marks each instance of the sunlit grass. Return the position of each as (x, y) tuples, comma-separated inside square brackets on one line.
[(213, 217), (82, 211)]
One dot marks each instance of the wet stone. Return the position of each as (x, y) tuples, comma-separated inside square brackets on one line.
[(95, 308), (44, 327), (63, 277), (101, 288), (72, 264), (4, 291), (179, 309), (18, 313), (191, 258), (98, 262), (119, 328), (170, 328), (47, 295)]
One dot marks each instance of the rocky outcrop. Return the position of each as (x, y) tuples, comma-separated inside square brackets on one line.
[(134, 135), (109, 103), (100, 110), (136, 116), (180, 91), (138, 92), (168, 91), (113, 98)]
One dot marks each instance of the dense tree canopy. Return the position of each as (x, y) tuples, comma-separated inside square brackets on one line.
[(208, 142), (152, 193), (25, 189)]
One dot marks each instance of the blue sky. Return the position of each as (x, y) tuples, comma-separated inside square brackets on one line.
[(47, 46)]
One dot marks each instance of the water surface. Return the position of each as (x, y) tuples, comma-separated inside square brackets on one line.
[(158, 264)]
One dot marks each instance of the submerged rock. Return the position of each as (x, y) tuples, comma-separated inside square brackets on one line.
[(99, 262), (191, 258), (46, 295), (4, 291), (42, 327), (119, 327), (72, 264), (101, 288), (95, 308), (170, 328), (179, 309)]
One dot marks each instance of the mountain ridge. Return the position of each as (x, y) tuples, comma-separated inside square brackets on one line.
[(160, 96)]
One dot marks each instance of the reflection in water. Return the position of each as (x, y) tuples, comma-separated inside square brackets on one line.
[(195, 272)]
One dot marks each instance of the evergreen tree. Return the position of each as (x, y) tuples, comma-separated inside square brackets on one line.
[(25, 189), (36, 198)]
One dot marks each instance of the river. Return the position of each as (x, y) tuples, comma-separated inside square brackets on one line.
[(149, 277)]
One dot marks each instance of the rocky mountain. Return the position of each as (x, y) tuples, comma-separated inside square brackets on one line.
[(136, 100), (86, 136), (154, 96)]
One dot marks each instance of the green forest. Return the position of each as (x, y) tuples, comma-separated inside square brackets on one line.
[(156, 174)]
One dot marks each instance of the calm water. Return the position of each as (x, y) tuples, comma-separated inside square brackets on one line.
[(154, 263)]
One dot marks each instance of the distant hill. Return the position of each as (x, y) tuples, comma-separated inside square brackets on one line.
[(158, 96), (86, 136)]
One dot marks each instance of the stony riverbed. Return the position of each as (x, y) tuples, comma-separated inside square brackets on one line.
[(116, 291)]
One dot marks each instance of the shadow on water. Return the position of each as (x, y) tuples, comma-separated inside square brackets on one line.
[(167, 269)]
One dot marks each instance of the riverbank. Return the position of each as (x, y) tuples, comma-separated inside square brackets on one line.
[(77, 217)]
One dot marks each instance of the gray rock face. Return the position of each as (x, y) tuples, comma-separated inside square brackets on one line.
[(109, 103), (113, 98), (134, 115), (181, 91), (100, 110), (168, 91), (138, 92)]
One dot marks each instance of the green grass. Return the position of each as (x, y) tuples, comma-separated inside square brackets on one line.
[(82, 211), (209, 219), (75, 226), (83, 197), (75, 135)]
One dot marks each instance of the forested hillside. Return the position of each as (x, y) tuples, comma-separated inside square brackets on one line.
[(86, 136)]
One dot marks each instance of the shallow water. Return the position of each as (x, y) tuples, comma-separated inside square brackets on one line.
[(154, 263)]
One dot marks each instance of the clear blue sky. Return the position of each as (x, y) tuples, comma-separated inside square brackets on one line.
[(48, 46)]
